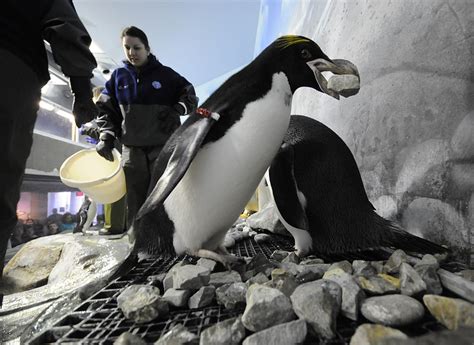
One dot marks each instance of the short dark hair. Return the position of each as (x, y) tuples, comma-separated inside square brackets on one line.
[(136, 32)]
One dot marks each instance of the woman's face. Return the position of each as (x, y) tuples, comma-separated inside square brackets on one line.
[(135, 51)]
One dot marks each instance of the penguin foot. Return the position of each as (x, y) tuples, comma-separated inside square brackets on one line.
[(302, 251), (226, 259)]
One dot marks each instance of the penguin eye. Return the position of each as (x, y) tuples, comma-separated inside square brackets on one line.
[(305, 54)]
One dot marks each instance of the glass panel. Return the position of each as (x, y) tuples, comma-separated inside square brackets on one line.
[(52, 123)]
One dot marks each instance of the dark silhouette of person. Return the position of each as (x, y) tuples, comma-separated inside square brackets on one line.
[(25, 25)]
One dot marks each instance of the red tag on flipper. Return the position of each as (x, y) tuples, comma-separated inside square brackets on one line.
[(203, 112)]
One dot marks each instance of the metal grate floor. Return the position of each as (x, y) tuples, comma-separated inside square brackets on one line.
[(99, 321)]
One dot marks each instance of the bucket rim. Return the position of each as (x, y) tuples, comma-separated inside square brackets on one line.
[(86, 184)]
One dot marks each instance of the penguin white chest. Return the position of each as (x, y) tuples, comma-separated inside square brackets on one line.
[(225, 173)]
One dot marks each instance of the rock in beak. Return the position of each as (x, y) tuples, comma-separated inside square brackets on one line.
[(345, 82)]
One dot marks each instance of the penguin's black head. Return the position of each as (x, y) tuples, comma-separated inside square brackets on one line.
[(303, 62)]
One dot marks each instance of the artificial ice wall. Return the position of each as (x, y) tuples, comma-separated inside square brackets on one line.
[(411, 127)]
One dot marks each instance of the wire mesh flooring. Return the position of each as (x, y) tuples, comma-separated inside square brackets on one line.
[(98, 320)]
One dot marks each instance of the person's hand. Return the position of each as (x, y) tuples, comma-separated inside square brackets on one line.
[(104, 148), (84, 111), (91, 129), (83, 108)]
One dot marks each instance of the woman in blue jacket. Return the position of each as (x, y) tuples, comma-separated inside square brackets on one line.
[(141, 106)]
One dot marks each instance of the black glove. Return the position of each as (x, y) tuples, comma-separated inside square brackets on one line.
[(179, 108), (83, 107), (105, 147)]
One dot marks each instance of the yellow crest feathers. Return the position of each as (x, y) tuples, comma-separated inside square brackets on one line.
[(288, 40)]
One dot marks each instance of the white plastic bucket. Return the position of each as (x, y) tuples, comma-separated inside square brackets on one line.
[(103, 181)]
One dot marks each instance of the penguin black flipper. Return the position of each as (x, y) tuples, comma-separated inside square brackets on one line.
[(179, 152), (285, 190)]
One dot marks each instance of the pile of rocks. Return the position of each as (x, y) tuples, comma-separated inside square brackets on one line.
[(285, 300)]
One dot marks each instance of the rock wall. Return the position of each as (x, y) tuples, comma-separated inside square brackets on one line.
[(411, 127)]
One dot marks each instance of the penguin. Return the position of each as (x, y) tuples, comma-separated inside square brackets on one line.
[(212, 164), (321, 200)]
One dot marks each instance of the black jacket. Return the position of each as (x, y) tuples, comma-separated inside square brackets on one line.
[(142, 107), (24, 24)]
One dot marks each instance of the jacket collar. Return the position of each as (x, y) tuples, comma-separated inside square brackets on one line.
[(152, 63)]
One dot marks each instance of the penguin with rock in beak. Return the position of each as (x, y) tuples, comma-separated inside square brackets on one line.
[(213, 163)]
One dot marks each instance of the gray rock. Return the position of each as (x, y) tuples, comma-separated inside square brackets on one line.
[(307, 276), (411, 284), (352, 294), (318, 303), (468, 275), (207, 263), (463, 336), (190, 277), (369, 334), (226, 277), (392, 310), (246, 232), (262, 238), (142, 303), (363, 268), (318, 269), (177, 298), (91, 288), (266, 307), (394, 261), (246, 275), (267, 219), (283, 281), (345, 265), (202, 298), (378, 265), (236, 235), (346, 85), (294, 269), (279, 255), (228, 332), (428, 259), (379, 285), (293, 332), (178, 335), (260, 263), (128, 338), (157, 279), (312, 261), (431, 278), (451, 312), (259, 278), (292, 257), (31, 266), (241, 225), (168, 279), (231, 295), (228, 242)]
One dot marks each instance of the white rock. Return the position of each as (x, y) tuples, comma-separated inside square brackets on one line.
[(392, 310)]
